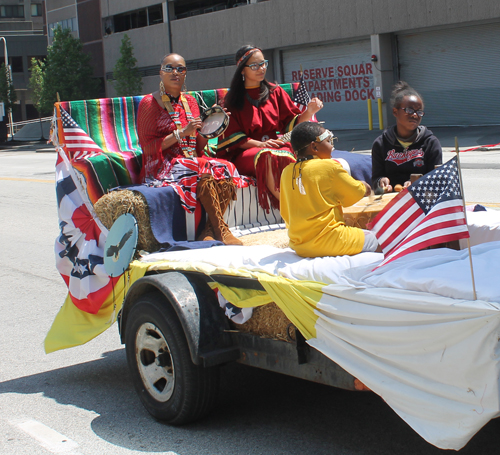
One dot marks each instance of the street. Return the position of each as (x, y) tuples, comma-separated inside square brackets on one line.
[(81, 401)]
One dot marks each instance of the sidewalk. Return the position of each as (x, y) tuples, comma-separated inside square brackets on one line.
[(350, 140), (30, 146)]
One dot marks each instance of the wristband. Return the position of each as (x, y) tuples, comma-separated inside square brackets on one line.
[(177, 136)]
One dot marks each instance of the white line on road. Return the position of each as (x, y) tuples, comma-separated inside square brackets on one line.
[(47, 437)]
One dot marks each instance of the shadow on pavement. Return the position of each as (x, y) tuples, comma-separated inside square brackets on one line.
[(258, 412)]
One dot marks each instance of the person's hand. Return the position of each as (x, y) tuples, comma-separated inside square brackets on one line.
[(273, 143), (407, 184), (385, 184), (223, 108), (315, 105), (191, 127), (368, 188)]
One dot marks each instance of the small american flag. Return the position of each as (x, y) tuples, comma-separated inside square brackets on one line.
[(428, 212), (301, 98), (76, 141)]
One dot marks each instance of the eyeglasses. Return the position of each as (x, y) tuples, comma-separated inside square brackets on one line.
[(170, 69), (328, 135), (411, 111), (256, 66)]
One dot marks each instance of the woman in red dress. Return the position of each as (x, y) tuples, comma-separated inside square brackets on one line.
[(259, 110), (167, 125)]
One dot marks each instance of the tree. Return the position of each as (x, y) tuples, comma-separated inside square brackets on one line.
[(8, 96), (128, 81), (36, 85), (67, 71), (7, 92)]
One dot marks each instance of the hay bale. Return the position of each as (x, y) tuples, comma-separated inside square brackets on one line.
[(277, 238), (114, 204), (269, 321)]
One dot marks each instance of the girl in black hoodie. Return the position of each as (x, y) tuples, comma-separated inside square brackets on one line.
[(406, 148)]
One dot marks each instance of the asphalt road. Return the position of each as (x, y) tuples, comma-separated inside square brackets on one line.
[(81, 400)]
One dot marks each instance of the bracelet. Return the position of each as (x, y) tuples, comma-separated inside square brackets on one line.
[(177, 136)]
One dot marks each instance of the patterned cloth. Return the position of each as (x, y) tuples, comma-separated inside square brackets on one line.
[(169, 167), (262, 122)]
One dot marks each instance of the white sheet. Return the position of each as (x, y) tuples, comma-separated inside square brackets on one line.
[(410, 330)]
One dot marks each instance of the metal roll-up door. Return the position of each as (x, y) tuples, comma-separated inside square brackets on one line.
[(340, 75), (457, 71)]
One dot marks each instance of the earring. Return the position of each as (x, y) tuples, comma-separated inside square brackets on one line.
[(162, 88), (184, 86), (243, 76)]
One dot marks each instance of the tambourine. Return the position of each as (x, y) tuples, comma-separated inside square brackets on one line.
[(215, 122)]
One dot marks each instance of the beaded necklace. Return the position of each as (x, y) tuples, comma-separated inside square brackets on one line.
[(186, 143)]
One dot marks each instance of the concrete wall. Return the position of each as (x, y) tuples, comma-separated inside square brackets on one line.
[(150, 45), (122, 6), (283, 23)]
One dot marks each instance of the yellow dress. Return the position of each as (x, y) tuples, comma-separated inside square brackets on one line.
[(315, 220)]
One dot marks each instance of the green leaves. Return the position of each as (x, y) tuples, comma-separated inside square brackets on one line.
[(7, 93), (127, 80), (67, 71)]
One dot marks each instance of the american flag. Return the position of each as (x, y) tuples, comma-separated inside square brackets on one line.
[(76, 141), (428, 212), (301, 98)]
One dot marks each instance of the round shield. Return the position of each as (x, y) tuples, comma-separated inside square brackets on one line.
[(120, 245)]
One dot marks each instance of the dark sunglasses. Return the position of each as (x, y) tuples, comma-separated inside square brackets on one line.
[(170, 69)]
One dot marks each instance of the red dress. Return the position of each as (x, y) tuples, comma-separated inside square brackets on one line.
[(277, 114), (170, 166)]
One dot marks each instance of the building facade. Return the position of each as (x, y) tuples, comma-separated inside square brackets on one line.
[(350, 52), (83, 18), (21, 26)]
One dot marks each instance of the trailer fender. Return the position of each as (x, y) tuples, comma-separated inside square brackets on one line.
[(198, 310)]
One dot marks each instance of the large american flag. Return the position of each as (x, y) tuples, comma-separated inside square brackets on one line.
[(428, 212), (301, 98)]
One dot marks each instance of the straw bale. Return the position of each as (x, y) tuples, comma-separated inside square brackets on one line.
[(114, 204), (269, 321), (277, 238)]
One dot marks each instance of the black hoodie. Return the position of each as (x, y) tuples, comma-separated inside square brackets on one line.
[(390, 159)]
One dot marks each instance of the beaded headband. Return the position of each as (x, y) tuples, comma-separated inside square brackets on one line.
[(247, 54)]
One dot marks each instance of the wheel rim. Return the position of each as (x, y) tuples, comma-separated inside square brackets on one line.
[(154, 362)]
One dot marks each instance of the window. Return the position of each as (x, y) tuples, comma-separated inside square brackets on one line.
[(134, 19), (71, 23), (155, 14), (36, 9), (16, 64), (12, 11)]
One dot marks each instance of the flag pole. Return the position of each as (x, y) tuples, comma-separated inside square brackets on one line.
[(457, 151)]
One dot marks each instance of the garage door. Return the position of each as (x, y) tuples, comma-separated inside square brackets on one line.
[(340, 75), (457, 71)]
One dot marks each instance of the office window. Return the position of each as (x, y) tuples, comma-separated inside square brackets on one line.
[(16, 64), (12, 11), (134, 19), (71, 23), (36, 9)]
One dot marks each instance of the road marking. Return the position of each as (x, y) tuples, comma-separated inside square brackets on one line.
[(19, 179), (47, 437)]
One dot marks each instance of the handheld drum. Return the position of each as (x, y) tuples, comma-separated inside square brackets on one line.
[(215, 122)]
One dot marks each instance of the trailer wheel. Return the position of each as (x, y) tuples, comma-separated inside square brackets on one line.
[(171, 387)]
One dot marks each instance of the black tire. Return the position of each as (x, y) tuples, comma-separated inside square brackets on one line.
[(171, 387)]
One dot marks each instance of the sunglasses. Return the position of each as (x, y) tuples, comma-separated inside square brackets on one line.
[(411, 111), (256, 66), (171, 69)]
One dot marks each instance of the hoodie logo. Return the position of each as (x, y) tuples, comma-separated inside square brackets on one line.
[(399, 158)]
